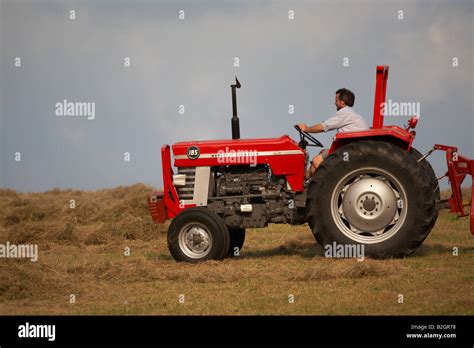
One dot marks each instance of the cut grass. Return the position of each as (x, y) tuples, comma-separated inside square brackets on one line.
[(276, 262)]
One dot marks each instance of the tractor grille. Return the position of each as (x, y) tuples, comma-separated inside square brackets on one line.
[(187, 192)]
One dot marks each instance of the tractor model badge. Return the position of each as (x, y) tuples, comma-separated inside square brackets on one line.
[(193, 152)]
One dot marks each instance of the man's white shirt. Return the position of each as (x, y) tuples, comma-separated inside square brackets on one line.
[(345, 120)]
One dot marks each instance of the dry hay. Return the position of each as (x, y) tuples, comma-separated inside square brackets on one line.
[(100, 217)]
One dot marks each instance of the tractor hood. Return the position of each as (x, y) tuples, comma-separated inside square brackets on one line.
[(283, 155), (194, 150)]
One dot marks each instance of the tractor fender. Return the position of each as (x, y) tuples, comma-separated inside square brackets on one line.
[(390, 134)]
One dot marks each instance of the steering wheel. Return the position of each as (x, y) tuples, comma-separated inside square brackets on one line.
[(305, 135)]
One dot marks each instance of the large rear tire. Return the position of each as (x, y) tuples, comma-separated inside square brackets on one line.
[(433, 179), (198, 234), (372, 193)]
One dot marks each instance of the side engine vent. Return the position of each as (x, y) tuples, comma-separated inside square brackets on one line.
[(186, 192)]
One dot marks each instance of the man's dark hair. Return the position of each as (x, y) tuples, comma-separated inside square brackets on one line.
[(346, 96)]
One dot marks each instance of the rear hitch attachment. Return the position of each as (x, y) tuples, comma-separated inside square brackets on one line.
[(458, 167)]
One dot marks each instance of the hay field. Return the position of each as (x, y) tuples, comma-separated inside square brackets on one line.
[(281, 269)]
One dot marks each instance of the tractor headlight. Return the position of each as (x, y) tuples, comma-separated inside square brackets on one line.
[(179, 179)]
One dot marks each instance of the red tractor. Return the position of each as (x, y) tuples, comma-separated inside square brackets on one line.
[(374, 189)]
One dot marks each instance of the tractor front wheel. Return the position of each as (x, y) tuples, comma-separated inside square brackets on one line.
[(372, 193), (197, 234), (237, 239)]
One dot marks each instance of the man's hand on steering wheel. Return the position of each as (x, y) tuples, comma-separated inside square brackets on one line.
[(303, 127), (305, 135)]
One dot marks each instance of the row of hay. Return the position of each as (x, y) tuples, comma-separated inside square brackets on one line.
[(96, 218)]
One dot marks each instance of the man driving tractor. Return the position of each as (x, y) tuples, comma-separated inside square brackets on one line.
[(345, 120)]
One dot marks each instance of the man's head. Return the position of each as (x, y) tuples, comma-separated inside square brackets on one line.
[(344, 97)]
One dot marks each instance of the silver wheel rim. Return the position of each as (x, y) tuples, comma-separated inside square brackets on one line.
[(195, 240), (369, 205)]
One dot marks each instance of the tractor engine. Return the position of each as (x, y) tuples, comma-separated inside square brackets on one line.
[(245, 181), (247, 196)]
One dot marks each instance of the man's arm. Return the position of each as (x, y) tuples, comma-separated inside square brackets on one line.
[(337, 121), (317, 128)]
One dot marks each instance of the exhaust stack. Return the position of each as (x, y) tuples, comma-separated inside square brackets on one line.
[(235, 118)]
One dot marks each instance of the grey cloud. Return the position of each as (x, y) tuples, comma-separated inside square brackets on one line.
[(282, 62)]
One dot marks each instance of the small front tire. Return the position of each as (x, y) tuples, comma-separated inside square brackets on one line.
[(197, 235), (237, 239)]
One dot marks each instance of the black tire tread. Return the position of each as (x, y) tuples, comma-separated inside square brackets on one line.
[(433, 179), (237, 239)]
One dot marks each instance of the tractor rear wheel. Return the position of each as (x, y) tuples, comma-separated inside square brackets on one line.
[(198, 234), (372, 193), (433, 179), (237, 239)]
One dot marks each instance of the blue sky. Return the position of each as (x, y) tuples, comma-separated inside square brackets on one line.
[(190, 62)]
